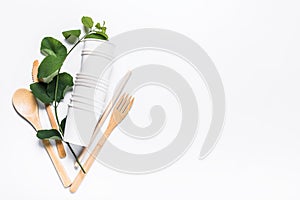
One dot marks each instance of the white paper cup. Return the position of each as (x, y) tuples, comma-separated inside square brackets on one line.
[(75, 96), (96, 55), (87, 105), (91, 44), (96, 85), (90, 91), (88, 76), (85, 128), (93, 81), (84, 90), (97, 104)]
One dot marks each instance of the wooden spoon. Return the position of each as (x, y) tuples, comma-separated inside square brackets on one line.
[(26, 105), (59, 145)]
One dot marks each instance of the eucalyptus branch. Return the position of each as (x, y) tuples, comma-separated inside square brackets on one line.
[(57, 80), (56, 103), (52, 89)]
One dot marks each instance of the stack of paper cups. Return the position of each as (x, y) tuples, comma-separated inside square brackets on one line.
[(90, 91)]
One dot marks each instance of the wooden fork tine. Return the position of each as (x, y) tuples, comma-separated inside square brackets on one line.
[(120, 101), (131, 102), (124, 99), (125, 104), (128, 107)]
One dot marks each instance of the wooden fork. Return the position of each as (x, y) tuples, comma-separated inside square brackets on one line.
[(120, 111)]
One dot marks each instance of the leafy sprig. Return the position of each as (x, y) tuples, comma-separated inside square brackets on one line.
[(52, 84)]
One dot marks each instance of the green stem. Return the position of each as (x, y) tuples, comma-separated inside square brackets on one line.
[(55, 102), (77, 43), (75, 157), (79, 40)]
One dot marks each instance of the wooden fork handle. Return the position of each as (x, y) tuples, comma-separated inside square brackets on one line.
[(57, 164), (87, 165), (59, 145)]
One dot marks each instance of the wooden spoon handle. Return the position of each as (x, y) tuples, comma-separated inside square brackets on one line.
[(66, 181), (87, 165), (59, 145), (57, 164)]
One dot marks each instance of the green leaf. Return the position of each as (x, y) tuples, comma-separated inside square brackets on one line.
[(49, 67), (103, 29), (87, 21), (63, 125), (39, 90), (71, 36), (103, 33), (65, 82), (56, 53), (49, 134), (75, 33), (98, 26), (97, 35), (53, 47)]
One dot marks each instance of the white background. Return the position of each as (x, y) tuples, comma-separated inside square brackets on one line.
[(255, 46)]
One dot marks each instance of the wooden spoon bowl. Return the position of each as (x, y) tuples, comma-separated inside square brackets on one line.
[(26, 105)]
